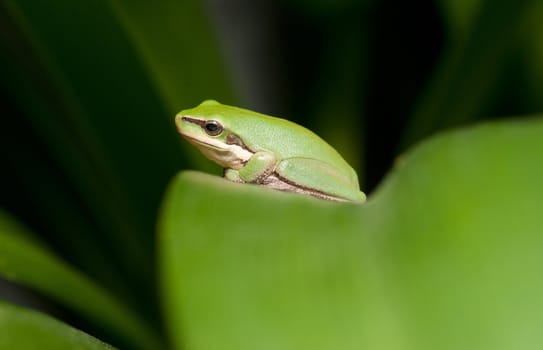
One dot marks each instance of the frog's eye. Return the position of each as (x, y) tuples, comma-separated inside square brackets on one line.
[(213, 127)]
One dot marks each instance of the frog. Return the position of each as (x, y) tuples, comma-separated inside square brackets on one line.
[(254, 148)]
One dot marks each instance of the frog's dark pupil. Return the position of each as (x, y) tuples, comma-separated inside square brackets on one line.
[(213, 128)]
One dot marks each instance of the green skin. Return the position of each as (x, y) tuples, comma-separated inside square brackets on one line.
[(272, 152)]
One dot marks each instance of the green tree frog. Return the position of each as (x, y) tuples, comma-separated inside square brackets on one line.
[(272, 152)]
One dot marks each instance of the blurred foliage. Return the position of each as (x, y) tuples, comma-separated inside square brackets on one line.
[(88, 91), (28, 262), (25, 329)]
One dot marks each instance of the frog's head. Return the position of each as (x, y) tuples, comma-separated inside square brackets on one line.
[(208, 127)]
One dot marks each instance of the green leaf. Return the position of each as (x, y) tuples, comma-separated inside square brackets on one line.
[(25, 261), (445, 255), (25, 329)]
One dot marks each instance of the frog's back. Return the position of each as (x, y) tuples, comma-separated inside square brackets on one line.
[(289, 140)]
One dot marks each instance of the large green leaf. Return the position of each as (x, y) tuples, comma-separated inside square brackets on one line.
[(23, 329), (445, 255), (25, 261)]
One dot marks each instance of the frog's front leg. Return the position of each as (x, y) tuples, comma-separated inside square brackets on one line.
[(257, 168), (232, 175)]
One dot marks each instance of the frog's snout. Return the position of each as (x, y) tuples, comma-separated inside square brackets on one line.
[(179, 122)]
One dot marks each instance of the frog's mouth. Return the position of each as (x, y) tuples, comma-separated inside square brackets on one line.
[(218, 146)]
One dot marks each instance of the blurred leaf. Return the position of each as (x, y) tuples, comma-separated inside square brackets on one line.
[(25, 329), (177, 44), (64, 96), (534, 57), (46, 190), (29, 263), (446, 255), (466, 78), (459, 16), (97, 83)]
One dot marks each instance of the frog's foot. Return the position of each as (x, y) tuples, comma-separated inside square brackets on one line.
[(232, 175)]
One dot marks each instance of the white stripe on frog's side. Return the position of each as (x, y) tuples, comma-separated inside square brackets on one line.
[(277, 182), (228, 156)]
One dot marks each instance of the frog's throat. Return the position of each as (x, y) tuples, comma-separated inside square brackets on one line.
[(213, 144)]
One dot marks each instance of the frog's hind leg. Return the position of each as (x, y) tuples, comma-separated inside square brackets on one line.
[(276, 183), (318, 178)]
